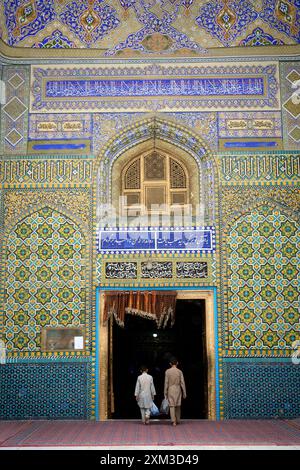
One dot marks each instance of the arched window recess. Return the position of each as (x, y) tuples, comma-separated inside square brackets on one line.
[(154, 182)]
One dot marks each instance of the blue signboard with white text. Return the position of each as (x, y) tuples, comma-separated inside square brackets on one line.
[(156, 239)]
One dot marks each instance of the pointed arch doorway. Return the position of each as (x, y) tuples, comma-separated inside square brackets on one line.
[(195, 313)]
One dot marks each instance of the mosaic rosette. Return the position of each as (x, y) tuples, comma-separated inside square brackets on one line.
[(45, 285), (283, 16), (259, 38), (27, 18), (263, 269), (226, 20), (89, 20), (55, 41)]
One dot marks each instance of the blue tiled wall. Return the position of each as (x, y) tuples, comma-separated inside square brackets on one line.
[(261, 390), (44, 391)]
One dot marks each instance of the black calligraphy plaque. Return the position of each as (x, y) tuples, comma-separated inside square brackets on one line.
[(157, 269), (190, 270), (123, 270)]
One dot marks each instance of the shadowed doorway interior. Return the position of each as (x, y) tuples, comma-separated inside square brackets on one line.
[(140, 342)]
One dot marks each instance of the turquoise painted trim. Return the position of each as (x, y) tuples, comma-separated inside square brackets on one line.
[(97, 370), (5, 60), (234, 153), (48, 360), (107, 288), (173, 287), (216, 354), (44, 156), (262, 360)]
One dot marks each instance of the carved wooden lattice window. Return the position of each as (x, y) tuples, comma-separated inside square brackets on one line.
[(154, 166), (132, 175), (154, 179), (177, 173)]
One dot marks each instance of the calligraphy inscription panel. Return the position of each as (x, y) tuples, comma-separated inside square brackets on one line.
[(187, 269), (157, 270), (160, 87), (195, 239), (126, 270)]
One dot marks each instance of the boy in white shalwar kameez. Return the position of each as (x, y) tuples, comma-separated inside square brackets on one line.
[(145, 393)]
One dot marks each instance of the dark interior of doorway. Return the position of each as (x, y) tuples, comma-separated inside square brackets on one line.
[(136, 344)]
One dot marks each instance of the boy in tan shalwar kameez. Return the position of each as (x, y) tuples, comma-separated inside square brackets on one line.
[(174, 390)]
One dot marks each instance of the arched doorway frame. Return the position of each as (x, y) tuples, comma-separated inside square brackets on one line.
[(208, 294), (190, 142)]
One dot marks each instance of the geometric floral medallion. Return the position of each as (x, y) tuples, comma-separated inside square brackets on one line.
[(90, 21)]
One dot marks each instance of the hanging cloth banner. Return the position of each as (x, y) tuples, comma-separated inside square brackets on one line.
[(152, 305)]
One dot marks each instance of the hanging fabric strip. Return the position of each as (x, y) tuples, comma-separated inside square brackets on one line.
[(152, 305)]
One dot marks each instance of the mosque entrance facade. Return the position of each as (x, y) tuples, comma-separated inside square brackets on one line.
[(191, 340)]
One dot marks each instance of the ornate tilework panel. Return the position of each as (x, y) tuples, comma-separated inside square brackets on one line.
[(49, 172), (60, 133), (225, 20), (158, 33), (240, 198), (89, 20), (176, 87), (45, 391), (259, 38), (27, 18), (169, 132), (124, 28), (261, 390), (74, 200), (60, 126), (204, 124), (264, 168), (106, 125), (14, 113), (163, 270), (137, 239), (290, 92), (241, 124), (56, 40), (283, 16), (46, 276), (263, 281)]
